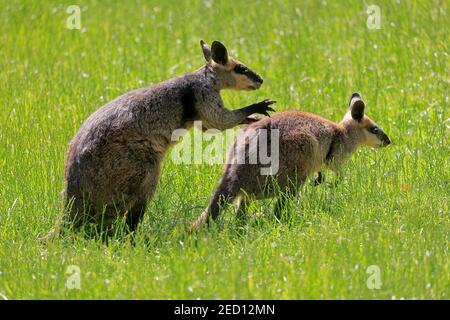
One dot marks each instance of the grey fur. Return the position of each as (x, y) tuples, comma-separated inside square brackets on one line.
[(113, 162)]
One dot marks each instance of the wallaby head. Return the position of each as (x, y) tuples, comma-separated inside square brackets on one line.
[(231, 73), (368, 132)]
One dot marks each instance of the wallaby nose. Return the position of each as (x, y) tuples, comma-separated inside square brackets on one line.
[(260, 80), (387, 141)]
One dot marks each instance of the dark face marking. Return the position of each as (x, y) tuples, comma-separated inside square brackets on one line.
[(383, 137), (241, 69), (374, 130), (386, 139), (188, 102), (380, 135)]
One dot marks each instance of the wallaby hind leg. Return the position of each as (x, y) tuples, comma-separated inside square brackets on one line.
[(242, 216), (136, 213), (283, 204), (241, 212)]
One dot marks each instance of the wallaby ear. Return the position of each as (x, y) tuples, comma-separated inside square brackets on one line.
[(206, 51), (219, 53), (356, 106)]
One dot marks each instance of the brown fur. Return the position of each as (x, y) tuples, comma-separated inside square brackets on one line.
[(307, 142), (113, 162)]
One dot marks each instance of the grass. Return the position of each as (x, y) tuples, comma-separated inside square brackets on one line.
[(391, 208)]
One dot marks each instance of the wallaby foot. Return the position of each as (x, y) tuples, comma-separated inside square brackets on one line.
[(241, 212), (282, 205), (135, 215)]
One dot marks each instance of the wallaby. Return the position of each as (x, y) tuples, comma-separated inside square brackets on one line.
[(113, 162), (307, 142)]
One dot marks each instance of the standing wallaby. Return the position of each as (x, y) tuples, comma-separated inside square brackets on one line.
[(307, 142), (113, 162)]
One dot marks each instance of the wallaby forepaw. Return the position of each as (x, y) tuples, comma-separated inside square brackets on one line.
[(267, 102), (263, 107)]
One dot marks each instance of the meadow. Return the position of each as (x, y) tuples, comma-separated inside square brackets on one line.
[(388, 217)]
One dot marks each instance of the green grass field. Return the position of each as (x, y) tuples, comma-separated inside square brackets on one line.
[(390, 210)]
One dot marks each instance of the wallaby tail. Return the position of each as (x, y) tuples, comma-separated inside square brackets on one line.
[(224, 195), (50, 235), (199, 222), (59, 219)]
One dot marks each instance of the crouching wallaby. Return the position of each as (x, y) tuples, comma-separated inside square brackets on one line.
[(113, 162), (306, 141)]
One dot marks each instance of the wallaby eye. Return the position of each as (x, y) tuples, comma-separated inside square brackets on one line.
[(239, 68), (374, 130)]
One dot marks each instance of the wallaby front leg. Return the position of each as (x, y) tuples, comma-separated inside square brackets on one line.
[(260, 108), (221, 118)]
